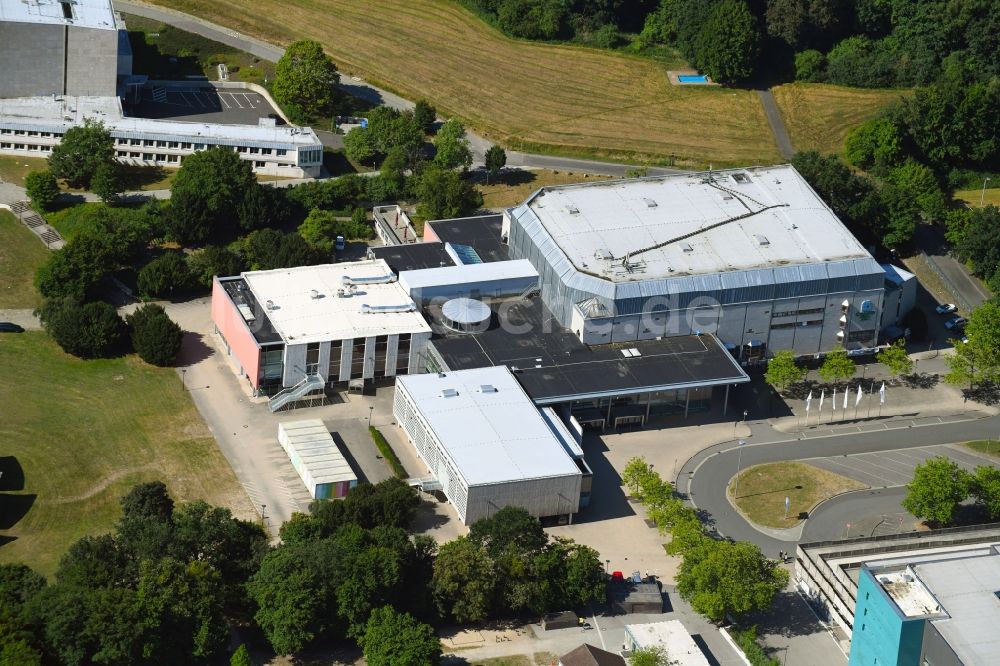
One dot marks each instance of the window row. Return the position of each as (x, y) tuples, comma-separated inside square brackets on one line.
[(25, 146), (10, 132)]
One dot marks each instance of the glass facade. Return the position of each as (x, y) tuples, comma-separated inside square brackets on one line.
[(272, 367)]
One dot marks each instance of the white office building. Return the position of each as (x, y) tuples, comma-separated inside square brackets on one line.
[(488, 445)]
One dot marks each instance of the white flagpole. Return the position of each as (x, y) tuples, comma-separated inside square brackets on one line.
[(819, 413), (881, 398), (847, 391), (857, 401)]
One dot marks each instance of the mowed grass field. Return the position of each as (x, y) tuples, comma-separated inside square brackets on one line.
[(84, 432), (991, 197), (21, 253), (529, 96), (819, 116), (513, 187)]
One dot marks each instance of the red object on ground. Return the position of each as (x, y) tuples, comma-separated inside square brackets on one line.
[(617, 577)]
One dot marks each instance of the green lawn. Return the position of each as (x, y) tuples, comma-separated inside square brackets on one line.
[(71, 220), (84, 432), (763, 488), (13, 169), (990, 447), (21, 253), (991, 197)]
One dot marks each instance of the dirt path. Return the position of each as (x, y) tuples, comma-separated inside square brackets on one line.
[(774, 119), (102, 485)]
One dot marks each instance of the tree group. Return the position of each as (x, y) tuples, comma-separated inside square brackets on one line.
[(977, 362), (940, 486)]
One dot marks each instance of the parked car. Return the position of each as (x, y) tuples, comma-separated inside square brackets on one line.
[(946, 308), (955, 323), (10, 327), (965, 339)]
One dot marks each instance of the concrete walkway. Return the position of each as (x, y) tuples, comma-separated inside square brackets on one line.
[(22, 317), (777, 123)]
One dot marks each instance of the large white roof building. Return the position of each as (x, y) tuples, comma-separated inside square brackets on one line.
[(487, 444), (80, 13), (752, 255)]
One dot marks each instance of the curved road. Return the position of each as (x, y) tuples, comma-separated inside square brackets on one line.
[(368, 92), (706, 476)]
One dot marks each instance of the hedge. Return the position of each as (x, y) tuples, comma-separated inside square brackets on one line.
[(387, 452), (747, 640)]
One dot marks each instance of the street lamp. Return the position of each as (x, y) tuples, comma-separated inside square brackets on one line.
[(263, 518), (982, 197), (371, 408), (739, 463), (184, 378), (607, 563)]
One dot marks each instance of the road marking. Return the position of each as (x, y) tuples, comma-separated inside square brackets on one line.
[(233, 97), (222, 99), (597, 626), (187, 102), (247, 99)]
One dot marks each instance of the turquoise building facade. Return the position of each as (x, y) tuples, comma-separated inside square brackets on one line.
[(883, 635)]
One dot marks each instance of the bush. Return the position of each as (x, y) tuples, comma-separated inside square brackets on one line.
[(165, 276), (607, 37), (747, 640), (155, 337), (387, 452), (810, 65), (42, 189), (86, 330), (212, 261)]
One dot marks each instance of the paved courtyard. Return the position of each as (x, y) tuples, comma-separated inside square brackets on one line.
[(229, 106)]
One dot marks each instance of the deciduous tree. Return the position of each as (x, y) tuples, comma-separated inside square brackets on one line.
[(81, 151), (723, 578), (88, 330), (397, 639), (896, 359), (165, 277), (986, 489), (938, 487), (837, 366), (42, 189), (977, 361), (444, 193), (782, 371), (464, 581), (424, 115), (451, 148), (496, 159), (207, 194), (306, 78), (727, 43)]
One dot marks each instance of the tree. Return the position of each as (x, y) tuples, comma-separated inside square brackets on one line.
[(782, 371), (306, 78), (321, 228), (875, 144), (723, 578), (241, 657), (207, 194), (837, 366), (166, 276), (89, 330), (938, 487), (977, 361), (727, 42), (917, 183), (532, 19), (108, 182), (633, 474), (853, 198), (397, 639), (978, 238), (292, 606), (896, 359), (509, 528), (42, 188), (496, 159), (445, 194), (451, 148), (583, 574), (810, 65), (360, 146), (211, 261), (155, 337), (81, 151), (464, 581), (985, 485), (788, 20), (424, 115)]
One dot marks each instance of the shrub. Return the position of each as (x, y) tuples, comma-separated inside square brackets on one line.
[(747, 640), (810, 65), (212, 261), (155, 337), (42, 189), (387, 452), (86, 330), (165, 276)]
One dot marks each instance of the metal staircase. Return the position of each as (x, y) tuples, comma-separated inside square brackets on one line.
[(308, 384)]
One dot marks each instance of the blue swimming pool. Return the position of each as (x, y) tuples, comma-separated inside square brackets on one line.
[(692, 78)]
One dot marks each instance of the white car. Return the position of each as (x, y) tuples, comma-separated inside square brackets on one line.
[(946, 308)]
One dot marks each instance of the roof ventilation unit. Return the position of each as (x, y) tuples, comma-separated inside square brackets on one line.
[(572, 209), (686, 247), (313, 294), (487, 388), (761, 239), (269, 304), (650, 203), (449, 393)]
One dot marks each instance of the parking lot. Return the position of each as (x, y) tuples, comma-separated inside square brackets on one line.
[(893, 468), (204, 104)]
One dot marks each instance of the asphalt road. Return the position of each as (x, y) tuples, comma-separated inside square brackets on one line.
[(368, 92), (709, 472), (774, 119), (968, 291)]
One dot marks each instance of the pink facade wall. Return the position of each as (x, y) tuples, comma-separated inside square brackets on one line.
[(231, 326), (429, 235)]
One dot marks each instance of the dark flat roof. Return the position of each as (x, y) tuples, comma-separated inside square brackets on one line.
[(481, 232), (240, 294), (412, 256), (553, 365)]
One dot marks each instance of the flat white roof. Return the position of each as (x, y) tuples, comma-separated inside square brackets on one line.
[(300, 317), (969, 591), (84, 13), (493, 434), (910, 595), (672, 637), (468, 273), (312, 442), (766, 217), (59, 113)]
